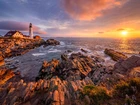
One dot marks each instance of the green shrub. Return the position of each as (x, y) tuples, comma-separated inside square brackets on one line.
[(122, 89), (135, 82), (126, 87), (96, 93), (121, 94), (129, 101)]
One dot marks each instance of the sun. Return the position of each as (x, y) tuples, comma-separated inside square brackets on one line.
[(124, 33)]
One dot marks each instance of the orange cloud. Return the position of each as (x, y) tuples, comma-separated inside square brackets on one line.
[(37, 30), (89, 9), (124, 29)]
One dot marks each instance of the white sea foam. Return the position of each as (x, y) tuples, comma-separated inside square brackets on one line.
[(62, 43), (38, 54), (100, 53), (107, 58), (86, 49), (9, 59), (54, 51), (99, 47), (109, 61)]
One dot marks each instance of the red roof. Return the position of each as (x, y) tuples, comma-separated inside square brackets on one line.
[(11, 33)]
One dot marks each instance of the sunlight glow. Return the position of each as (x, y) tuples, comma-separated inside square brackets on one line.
[(124, 33)]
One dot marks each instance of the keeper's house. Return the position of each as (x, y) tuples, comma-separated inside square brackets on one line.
[(14, 34)]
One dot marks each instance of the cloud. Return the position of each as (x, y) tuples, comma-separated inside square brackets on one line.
[(89, 9), (14, 25), (120, 29), (101, 32), (125, 29), (24, 1)]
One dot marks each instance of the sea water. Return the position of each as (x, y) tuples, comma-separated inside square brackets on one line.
[(30, 63)]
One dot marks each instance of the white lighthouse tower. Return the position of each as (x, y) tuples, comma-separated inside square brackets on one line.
[(31, 31)]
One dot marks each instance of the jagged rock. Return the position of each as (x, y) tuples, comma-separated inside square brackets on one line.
[(60, 82), (56, 96), (116, 56), (1, 56), (85, 51), (98, 59), (76, 67), (5, 75), (64, 57), (69, 51), (1, 59), (2, 63), (52, 42), (135, 72), (48, 69), (57, 91)]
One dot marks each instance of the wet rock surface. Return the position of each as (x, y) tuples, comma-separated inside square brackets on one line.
[(85, 51), (116, 56), (52, 42)]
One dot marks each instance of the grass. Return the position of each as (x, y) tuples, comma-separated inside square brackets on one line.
[(124, 92), (130, 87)]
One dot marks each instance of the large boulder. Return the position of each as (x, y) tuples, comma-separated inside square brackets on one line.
[(126, 66), (52, 42), (83, 50), (116, 56)]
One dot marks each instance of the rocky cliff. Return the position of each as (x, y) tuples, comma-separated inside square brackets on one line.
[(74, 80), (17, 46)]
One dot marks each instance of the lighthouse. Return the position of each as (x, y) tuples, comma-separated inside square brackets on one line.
[(31, 31)]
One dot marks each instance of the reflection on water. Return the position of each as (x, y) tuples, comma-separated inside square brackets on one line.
[(128, 46), (125, 46)]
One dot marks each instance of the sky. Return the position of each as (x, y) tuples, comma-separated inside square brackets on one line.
[(72, 18)]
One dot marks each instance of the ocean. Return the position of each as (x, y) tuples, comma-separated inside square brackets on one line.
[(93, 46)]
